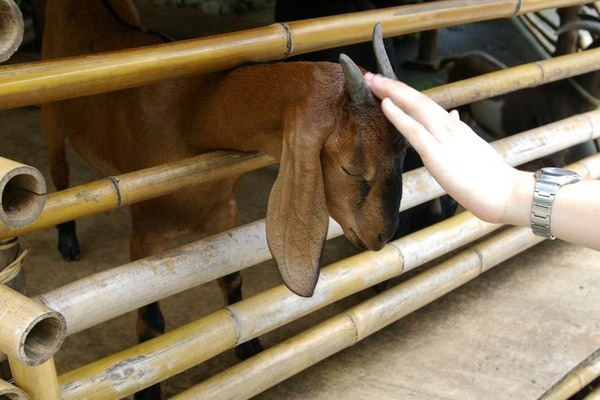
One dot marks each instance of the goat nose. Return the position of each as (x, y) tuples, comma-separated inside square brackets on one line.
[(385, 237)]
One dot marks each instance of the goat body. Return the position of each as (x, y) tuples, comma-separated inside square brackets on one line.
[(338, 154)]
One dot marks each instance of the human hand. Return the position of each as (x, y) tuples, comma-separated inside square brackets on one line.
[(466, 166)]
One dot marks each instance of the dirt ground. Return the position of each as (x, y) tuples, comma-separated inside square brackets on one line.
[(385, 365)]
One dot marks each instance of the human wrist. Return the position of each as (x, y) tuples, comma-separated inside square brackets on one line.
[(520, 199)]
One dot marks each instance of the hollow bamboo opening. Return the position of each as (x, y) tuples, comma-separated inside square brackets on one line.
[(11, 28), (30, 332), (22, 194), (10, 392)]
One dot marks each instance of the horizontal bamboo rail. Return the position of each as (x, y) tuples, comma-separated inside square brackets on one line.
[(10, 392), (46, 81), (110, 193), (273, 308), (30, 332), (245, 320), (286, 359), (22, 194), (576, 380), (96, 298)]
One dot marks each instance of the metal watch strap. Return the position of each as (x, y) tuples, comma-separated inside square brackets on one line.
[(546, 187)]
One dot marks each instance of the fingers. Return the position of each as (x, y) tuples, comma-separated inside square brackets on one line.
[(418, 136), (411, 101)]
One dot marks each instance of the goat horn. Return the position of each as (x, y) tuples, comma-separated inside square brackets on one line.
[(355, 83), (383, 61), (590, 26)]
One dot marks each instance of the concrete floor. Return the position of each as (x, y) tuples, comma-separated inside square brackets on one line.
[(511, 333)]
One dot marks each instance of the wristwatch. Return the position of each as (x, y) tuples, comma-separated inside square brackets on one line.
[(547, 182)]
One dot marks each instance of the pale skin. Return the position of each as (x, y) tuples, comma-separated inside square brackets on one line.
[(471, 171)]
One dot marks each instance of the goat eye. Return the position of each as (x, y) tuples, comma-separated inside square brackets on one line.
[(350, 173)]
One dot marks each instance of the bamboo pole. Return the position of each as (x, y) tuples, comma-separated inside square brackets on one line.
[(523, 76), (10, 392), (346, 329), (97, 298), (39, 382), (22, 194), (576, 380), (11, 28), (52, 80), (247, 318), (30, 332), (111, 193)]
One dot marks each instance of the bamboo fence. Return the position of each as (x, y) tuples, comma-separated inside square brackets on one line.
[(150, 362), (208, 259), (52, 80), (114, 192)]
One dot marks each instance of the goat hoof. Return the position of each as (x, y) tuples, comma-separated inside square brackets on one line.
[(248, 349), (68, 245)]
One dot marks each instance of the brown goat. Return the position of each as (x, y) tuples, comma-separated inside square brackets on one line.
[(528, 108), (338, 153)]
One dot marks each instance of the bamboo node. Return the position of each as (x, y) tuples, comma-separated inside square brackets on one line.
[(13, 269)]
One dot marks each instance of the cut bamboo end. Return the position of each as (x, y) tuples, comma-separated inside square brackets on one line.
[(10, 392), (11, 29), (22, 193), (30, 332)]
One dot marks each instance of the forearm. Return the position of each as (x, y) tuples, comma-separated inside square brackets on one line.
[(575, 214)]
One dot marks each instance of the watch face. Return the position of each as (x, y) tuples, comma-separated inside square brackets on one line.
[(552, 171)]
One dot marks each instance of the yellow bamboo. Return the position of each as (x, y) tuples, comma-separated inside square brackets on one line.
[(576, 380), (11, 28), (30, 332), (344, 330), (183, 345), (246, 319), (10, 392), (519, 77), (47, 81), (97, 298), (22, 194), (39, 382), (111, 193), (108, 194)]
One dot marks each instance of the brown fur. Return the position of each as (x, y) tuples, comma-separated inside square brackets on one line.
[(337, 157)]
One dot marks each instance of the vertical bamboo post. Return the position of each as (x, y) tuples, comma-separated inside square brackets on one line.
[(9, 250), (40, 382)]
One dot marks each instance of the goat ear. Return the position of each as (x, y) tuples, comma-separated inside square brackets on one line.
[(297, 215)]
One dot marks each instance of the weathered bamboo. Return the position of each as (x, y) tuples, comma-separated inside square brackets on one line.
[(39, 382), (96, 298), (30, 332), (59, 79), (11, 29), (10, 392), (278, 306), (111, 193), (242, 321), (576, 380), (519, 77), (344, 330), (22, 194)]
